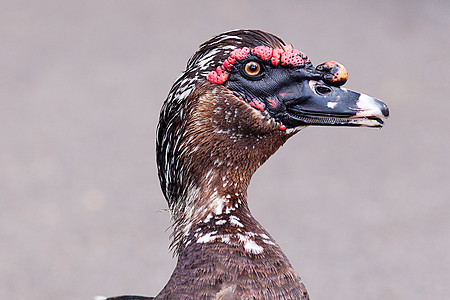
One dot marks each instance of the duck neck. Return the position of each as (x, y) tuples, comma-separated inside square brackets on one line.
[(215, 202), (218, 213), (210, 157)]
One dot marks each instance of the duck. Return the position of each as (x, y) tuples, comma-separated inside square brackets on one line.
[(243, 94)]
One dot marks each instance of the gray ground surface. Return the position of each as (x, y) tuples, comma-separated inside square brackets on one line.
[(361, 213)]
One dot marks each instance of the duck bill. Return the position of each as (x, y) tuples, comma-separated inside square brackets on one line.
[(325, 105)]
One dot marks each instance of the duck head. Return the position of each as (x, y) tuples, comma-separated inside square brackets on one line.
[(283, 83), (242, 95)]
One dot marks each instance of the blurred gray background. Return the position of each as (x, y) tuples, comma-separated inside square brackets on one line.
[(361, 213)]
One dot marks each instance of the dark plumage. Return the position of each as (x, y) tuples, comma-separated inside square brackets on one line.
[(243, 94)]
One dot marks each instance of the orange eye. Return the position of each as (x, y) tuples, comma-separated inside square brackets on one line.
[(252, 68)]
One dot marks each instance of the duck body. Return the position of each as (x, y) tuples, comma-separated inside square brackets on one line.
[(242, 96), (214, 271)]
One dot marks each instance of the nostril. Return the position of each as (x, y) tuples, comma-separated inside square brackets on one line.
[(323, 89)]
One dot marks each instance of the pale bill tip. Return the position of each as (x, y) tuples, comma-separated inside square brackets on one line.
[(369, 107)]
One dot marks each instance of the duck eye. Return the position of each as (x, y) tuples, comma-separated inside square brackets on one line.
[(252, 68)]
